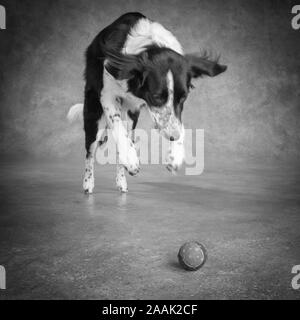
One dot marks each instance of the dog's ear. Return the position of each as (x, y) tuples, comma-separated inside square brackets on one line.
[(126, 66), (204, 65)]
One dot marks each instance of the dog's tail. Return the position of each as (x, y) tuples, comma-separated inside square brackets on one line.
[(75, 112)]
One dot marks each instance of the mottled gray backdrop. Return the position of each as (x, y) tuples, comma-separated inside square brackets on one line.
[(250, 112)]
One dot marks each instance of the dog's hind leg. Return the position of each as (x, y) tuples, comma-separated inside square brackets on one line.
[(121, 180), (92, 114)]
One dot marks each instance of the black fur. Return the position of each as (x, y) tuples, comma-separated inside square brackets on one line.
[(134, 116), (145, 72), (112, 37)]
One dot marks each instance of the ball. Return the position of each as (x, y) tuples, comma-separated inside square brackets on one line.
[(192, 255)]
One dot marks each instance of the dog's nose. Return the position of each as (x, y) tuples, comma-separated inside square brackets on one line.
[(174, 136)]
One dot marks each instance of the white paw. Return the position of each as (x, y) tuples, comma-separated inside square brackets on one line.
[(129, 159), (175, 156), (121, 180), (88, 181)]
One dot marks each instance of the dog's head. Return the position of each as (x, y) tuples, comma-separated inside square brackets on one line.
[(162, 78)]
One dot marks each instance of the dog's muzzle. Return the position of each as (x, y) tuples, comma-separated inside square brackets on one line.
[(166, 122)]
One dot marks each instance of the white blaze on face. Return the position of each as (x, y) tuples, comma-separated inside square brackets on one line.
[(170, 85), (164, 117)]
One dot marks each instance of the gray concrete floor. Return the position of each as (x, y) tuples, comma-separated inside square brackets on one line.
[(57, 243)]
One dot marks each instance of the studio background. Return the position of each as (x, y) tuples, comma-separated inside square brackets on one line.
[(251, 112), (58, 243)]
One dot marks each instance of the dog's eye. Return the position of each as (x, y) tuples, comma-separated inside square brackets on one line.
[(191, 87)]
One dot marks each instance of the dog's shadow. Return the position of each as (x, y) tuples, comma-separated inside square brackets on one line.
[(174, 265)]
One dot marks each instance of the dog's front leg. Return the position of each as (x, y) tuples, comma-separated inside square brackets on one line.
[(121, 180), (126, 151), (176, 153)]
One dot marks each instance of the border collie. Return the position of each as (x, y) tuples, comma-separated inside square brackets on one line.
[(135, 63)]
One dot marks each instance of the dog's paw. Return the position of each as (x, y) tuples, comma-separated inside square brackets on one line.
[(129, 159), (175, 156), (121, 181), (88, 183)]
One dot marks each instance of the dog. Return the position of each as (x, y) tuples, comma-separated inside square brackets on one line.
[(134, 63)]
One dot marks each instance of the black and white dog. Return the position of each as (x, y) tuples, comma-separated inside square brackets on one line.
[(135, 62)]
